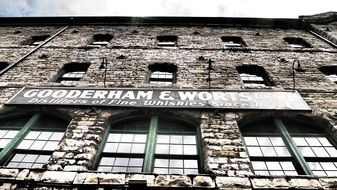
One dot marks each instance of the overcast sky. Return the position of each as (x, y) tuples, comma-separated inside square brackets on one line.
[(212, 8)]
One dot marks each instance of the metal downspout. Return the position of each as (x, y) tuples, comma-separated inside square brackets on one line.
[(32, 51)]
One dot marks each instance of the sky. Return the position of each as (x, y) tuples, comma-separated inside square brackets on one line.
[(204, 8)]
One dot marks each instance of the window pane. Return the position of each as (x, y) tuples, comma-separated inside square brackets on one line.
[(32, 135), (264, 141), (189, 140), (176, 163), (110, 147), (107, 161), (163, 139), (176, 149), (138, 148), (136, 162), (251, 141), (124, 148), (140, 138), (268, 151), (306, 151), (162, 149), (273, 166), (176, 139), (282, 151), (312, 141), (121, 161), (277, 141), (190, 150), (300, 141), (161, 163), (254, 151), (45, 135), (259, 165), (320, 152), (127, 138)]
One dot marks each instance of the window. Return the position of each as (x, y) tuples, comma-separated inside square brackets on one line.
[(233, 42), (3, 65), (167, 41), (28, 141), (254, 76), (279, 147), (330, 72), (101, 39), (72, 73), (162, 74), (37, 40), (153, 144), (296, 42)]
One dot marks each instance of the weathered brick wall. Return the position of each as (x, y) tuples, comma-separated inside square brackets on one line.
[(225, 160)]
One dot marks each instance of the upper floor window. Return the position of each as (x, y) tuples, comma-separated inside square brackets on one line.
[(232, 41), (37, 40), (162, 73), (278, 147), (297, 42), (72, 73), (29, 141), (102, 39), (254, 76), (330, 72), (167, 41), (152, 144), (3, 65)]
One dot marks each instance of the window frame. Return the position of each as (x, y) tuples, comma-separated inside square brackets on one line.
[(167, 41), (149, 152), (297, 42), (299, 161), (254, 71), (233, 42), (71, 68), (106, 39), (328, 71), (162, 67), (11, 149)]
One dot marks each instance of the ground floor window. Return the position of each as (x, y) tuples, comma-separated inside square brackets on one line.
[(279, 147), (28, 141), (154, 144)]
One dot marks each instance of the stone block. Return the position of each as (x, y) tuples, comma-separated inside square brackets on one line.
[(233, 182), (109, 178), (173, 181), (270, 183), (328, 183), (22, 174), (86, 178), (298, 183), (149, 178), (8, 173), (203, 182), (58, 177)]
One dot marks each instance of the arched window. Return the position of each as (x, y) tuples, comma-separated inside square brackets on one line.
[(28, 141), (72, 73), (278, 147), (154, 144), (254, 76), (162, 73)]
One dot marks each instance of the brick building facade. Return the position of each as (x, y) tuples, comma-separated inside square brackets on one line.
[(264, 115)]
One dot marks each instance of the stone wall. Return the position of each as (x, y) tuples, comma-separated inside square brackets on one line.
[(226, 164)]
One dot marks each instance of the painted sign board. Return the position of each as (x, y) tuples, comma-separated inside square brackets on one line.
[(160, 98)]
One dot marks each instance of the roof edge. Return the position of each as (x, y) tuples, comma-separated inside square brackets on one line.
[(141, 21)]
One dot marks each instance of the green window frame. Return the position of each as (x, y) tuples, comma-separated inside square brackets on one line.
[(278, 147), (29, 139), (152, 136)]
